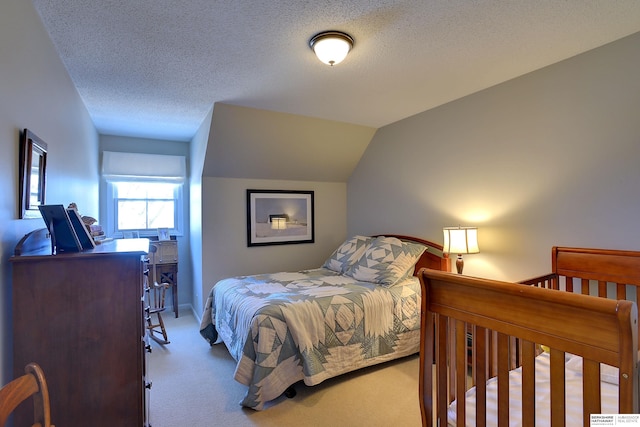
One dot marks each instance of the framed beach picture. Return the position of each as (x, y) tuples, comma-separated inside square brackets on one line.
[(279, 217)]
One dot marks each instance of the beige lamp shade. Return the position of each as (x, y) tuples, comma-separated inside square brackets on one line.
[(461, 240)]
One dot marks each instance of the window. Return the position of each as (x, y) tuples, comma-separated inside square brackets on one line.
[(144, 193), (145, 205)]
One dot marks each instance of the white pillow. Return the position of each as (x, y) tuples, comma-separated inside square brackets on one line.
[(347, 253), (386, 260)]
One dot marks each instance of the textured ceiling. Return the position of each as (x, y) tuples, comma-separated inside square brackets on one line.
[(154, 68)]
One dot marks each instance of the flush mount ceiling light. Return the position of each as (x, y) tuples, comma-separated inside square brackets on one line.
[(331, 47)]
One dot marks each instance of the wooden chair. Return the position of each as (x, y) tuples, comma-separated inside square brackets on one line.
[(156, 293), (32, 384)]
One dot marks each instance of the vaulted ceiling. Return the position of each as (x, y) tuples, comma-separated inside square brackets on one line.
[(154, 68)]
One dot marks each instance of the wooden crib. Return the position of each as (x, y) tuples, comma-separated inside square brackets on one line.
[(480, 337)]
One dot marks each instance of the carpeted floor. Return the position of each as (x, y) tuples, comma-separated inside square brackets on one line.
[(193, 386)]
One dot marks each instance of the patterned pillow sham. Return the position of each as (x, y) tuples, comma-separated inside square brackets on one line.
[(347, 253), (386, 260)]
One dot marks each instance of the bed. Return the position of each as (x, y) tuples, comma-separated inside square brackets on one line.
[(360, 308), (567, 341)]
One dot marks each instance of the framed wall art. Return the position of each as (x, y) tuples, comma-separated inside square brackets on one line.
[(33, 174), (163, 234), (279, 217)]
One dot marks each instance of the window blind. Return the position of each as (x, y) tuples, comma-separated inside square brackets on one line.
[(117, 165)]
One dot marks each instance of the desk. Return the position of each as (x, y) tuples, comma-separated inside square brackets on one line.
[(164, 266)]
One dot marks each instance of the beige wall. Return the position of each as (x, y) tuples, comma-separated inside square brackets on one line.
[(36, 93), (550, 158), (260, 144), (225, 252)]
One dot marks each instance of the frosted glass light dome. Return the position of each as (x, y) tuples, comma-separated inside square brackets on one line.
[(331, 47)]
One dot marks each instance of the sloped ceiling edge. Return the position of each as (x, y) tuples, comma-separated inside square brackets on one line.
[(259, 144)]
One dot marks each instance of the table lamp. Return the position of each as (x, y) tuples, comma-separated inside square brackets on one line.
[(460, 240)]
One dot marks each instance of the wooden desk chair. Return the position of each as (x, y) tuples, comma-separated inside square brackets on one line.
[(32, 384), (156, 293)]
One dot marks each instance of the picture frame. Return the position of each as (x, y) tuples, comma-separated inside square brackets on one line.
[(33, 174), (64, 238), (280, 217), (163, 234)]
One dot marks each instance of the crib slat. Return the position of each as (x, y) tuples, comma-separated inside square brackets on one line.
[(493, 352), (584, 288), (452, 356), (480, 373), (568, 284), (528, 383), (557, 388), (590, 389), (441, 360), (621, 291), (461, 368), (514, 352), (503, 380), (602, 289)]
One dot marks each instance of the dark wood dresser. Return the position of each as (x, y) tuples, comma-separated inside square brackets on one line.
[(80, 316)]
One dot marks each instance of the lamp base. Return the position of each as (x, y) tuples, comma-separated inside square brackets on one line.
[(459, 264)]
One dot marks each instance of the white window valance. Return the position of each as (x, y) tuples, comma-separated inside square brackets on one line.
[(116, 165)]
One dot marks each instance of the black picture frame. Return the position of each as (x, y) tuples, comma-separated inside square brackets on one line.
[(63, 234), (33, 174), (68, 232), (280, 217)]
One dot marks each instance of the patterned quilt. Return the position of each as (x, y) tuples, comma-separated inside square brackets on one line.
[(310, 325)]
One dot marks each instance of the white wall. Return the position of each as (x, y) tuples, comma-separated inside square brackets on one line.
[(198, 150), (550, 158), (224, 227), (37, 93)]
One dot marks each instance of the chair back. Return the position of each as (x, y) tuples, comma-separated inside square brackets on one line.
[(157, 296), (32, 384)]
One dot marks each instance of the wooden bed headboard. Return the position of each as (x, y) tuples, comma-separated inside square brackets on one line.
[(432, 258)]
